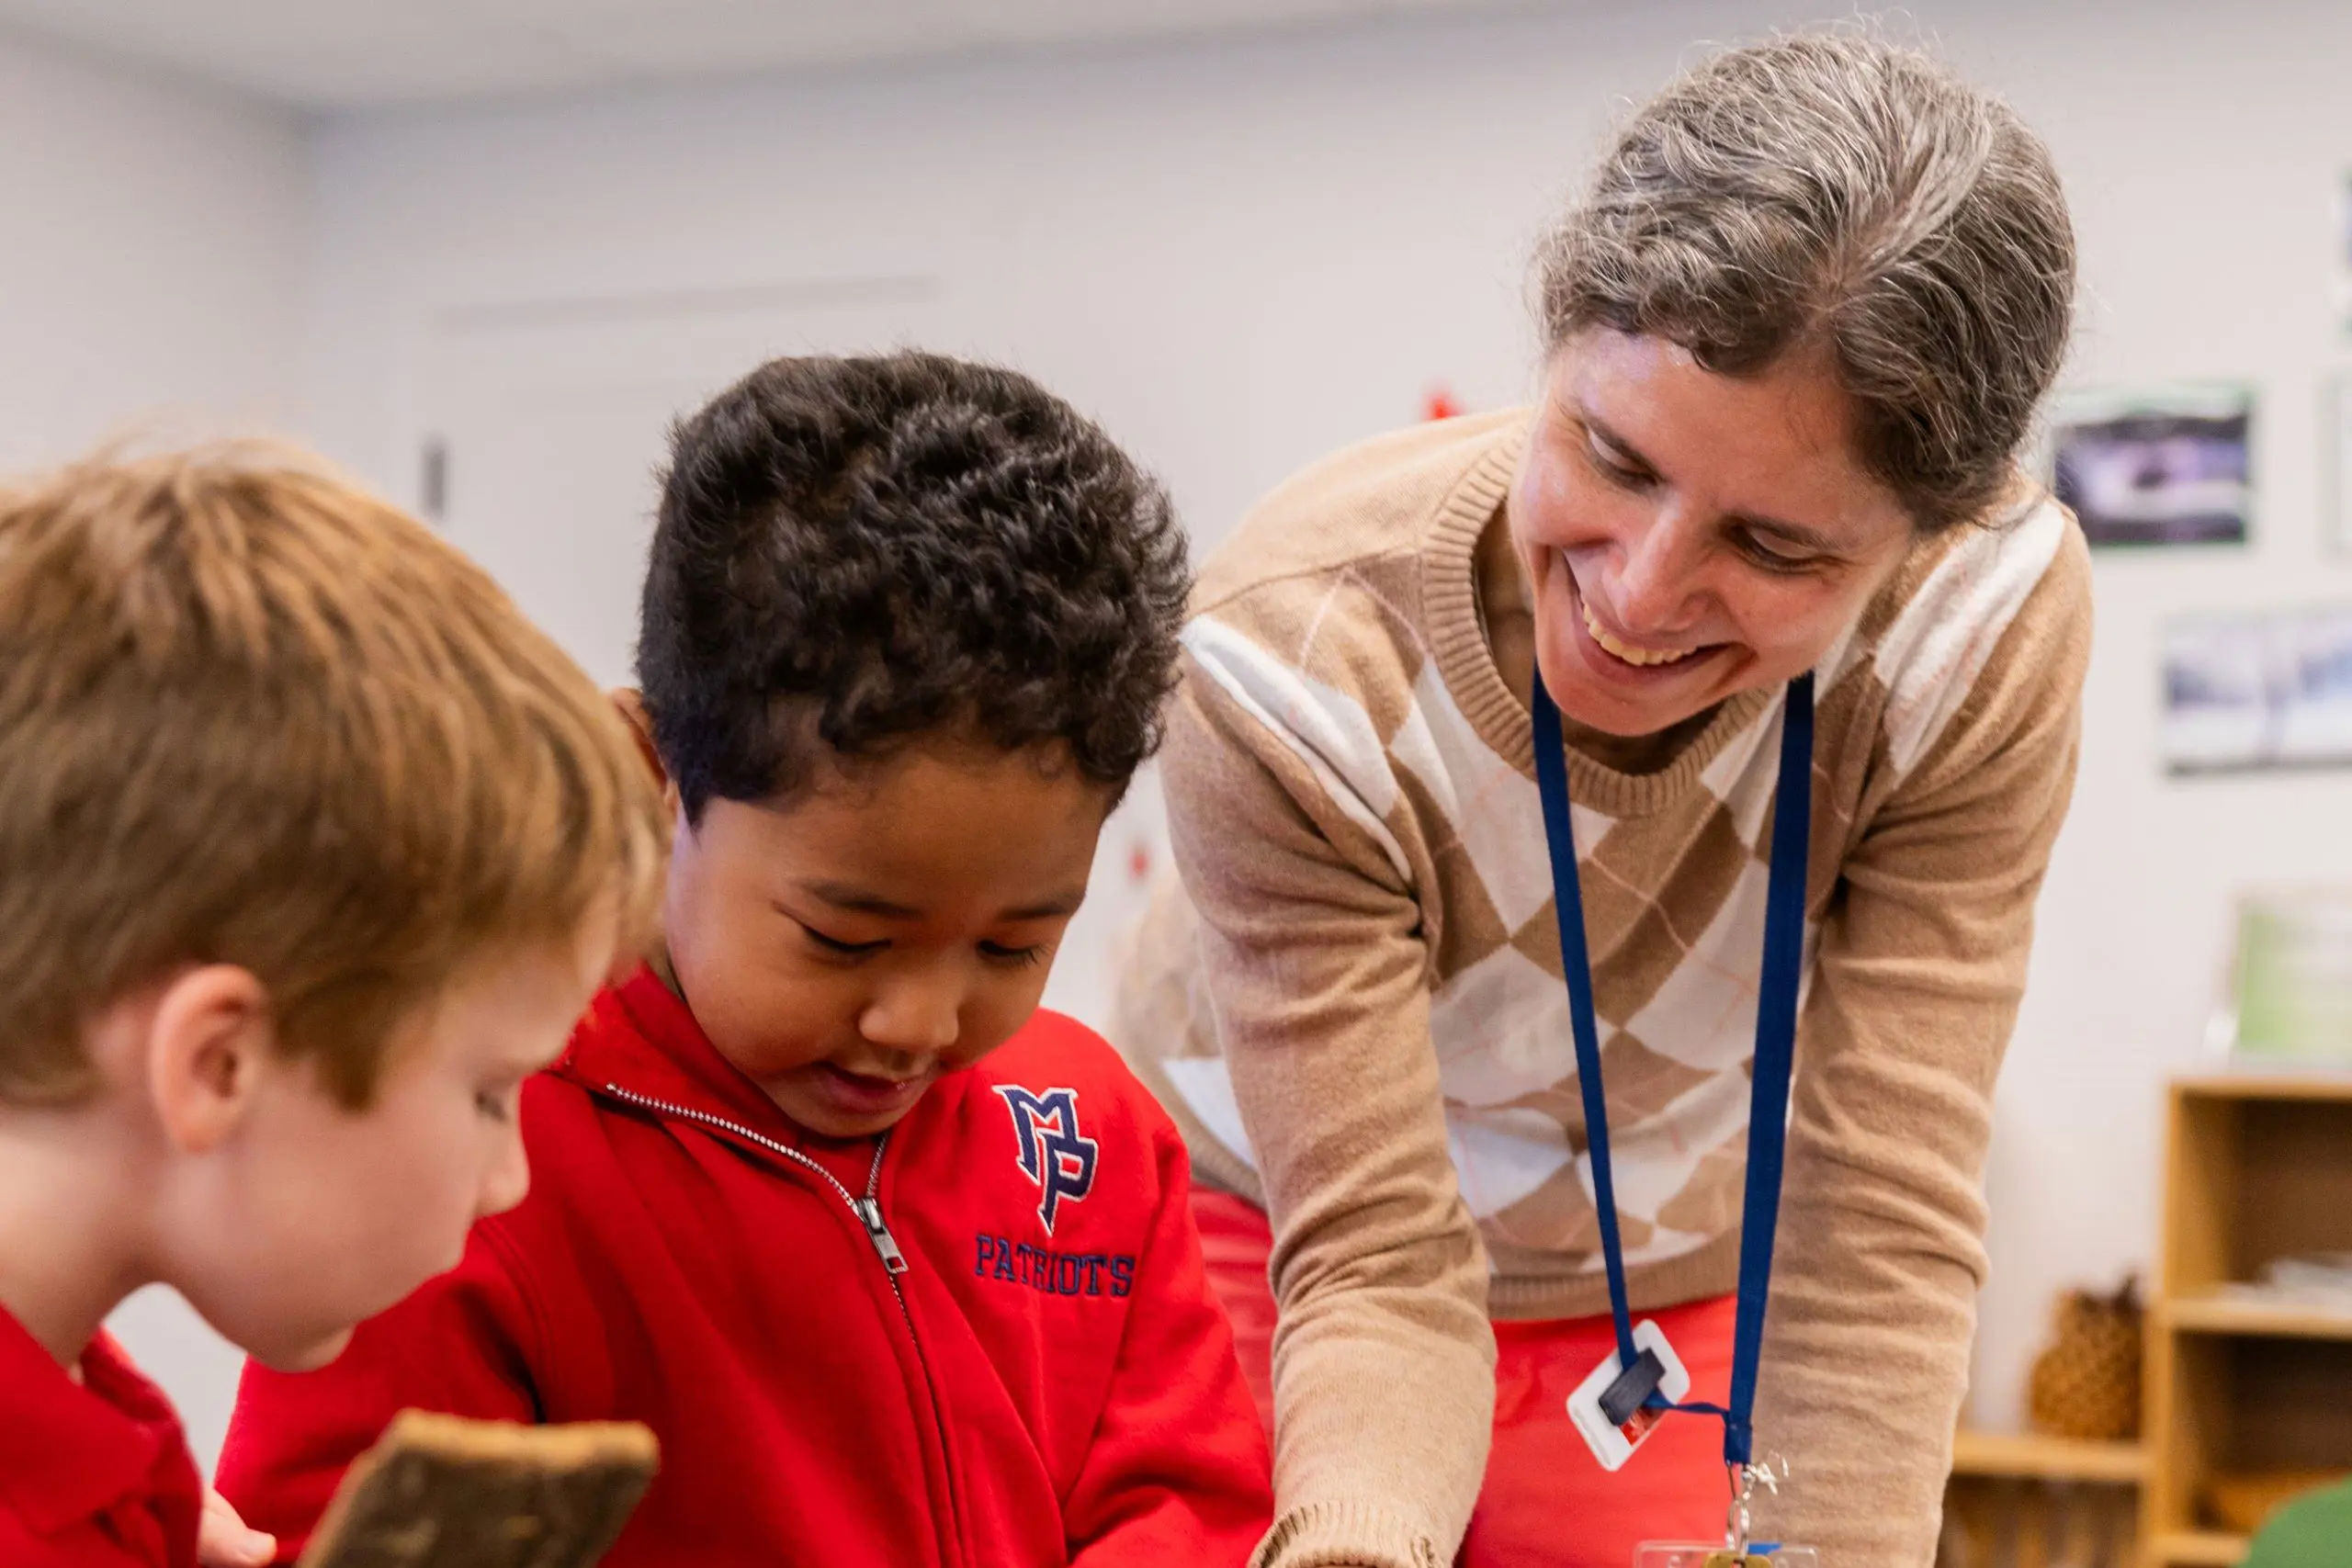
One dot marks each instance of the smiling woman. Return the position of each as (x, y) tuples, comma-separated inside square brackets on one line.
[(1768, 500), (1683, 535)]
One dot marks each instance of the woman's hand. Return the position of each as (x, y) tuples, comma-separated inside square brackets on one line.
[(224, 1541)]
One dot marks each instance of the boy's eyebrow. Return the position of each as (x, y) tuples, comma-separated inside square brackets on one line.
[(858, 901), (1050, 908)]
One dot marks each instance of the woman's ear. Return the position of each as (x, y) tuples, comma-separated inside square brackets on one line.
[(630, 704), (208, 1036)]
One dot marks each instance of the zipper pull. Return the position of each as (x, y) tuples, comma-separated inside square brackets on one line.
[(886, 1246)]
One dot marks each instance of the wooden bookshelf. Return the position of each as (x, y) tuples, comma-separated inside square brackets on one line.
[(2256, 1168), (2028, 1458)]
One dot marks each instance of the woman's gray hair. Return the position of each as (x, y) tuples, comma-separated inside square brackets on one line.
[(1832, 191)]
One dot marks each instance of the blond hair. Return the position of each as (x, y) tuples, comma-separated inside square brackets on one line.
[(250, 715), (1833, 190)]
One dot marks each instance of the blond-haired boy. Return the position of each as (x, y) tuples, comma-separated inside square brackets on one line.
[(311, 850)]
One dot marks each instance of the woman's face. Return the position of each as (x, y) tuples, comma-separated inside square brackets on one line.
[(1688, 536)]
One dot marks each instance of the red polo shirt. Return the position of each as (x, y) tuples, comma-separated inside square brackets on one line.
[(92, 1474)]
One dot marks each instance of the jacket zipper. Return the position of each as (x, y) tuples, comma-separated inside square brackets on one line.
[(867, 1211)]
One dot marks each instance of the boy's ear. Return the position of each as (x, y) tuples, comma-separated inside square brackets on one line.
[(208, 1042), (630, 701)]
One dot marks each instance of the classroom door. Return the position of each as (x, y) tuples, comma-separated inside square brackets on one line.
[(548, 429)]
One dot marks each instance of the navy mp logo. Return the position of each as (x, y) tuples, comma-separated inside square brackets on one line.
[(1053, 1153)]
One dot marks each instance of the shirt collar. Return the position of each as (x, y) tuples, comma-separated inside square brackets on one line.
[(70, 1451)]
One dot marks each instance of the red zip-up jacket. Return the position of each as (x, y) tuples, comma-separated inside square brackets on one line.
[(984, 1338)]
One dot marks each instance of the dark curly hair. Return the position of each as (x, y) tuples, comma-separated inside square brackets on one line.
[(853, 552)]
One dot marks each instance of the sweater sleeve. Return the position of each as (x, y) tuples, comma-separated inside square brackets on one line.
[(1176, 1472), (1921, 967), (457, 1345), (1314, 948)]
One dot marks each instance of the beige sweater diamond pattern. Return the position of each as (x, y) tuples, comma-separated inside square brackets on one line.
[(1353, 1003)]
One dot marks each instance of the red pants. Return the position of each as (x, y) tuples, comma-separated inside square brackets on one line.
[(1546, 1503)]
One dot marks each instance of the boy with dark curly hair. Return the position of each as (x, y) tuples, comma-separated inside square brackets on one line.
[(900, 1268)]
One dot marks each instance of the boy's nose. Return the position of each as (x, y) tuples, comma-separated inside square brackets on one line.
[(920, 1018), (509, 1176)]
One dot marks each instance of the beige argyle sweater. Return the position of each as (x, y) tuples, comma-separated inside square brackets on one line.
[(1354, 1005)]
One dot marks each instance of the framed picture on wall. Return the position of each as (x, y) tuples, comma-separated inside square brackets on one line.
[(2290, 999), (2157, 466), (2258, 690)]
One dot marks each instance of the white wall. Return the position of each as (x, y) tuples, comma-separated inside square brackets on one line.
[(1241, 255), (152, 260)]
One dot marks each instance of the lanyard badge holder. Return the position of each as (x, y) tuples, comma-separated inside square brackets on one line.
[(1627, 1395)]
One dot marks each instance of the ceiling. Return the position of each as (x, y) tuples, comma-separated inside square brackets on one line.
[(325, 54)]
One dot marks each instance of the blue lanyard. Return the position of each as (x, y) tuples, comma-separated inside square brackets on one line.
[(1776, 1043)]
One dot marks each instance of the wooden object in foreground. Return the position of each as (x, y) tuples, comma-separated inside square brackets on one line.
[(439, 1491), (2258, 1167)]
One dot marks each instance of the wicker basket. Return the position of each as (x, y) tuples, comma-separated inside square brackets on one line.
[(2087, 1384)]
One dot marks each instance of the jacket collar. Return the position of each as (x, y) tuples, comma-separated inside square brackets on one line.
[(641, 1037)]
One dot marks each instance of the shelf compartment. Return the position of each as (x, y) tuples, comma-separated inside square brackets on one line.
[(2258, 1168)]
